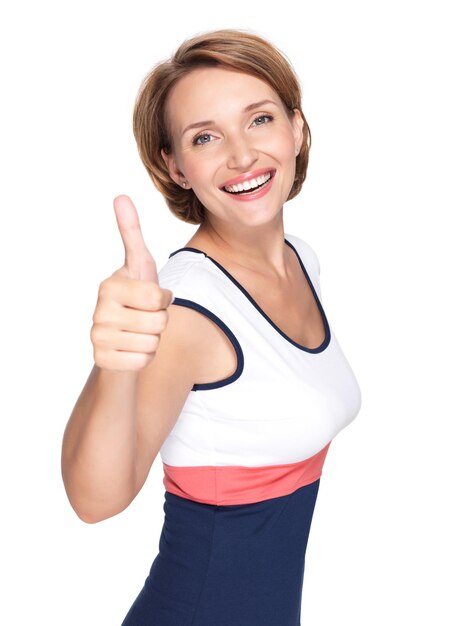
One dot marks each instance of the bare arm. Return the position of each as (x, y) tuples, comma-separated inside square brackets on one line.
[(121, 420), (132, 397), (99, 445)]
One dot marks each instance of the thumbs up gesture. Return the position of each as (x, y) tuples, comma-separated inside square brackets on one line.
[(131, 312)]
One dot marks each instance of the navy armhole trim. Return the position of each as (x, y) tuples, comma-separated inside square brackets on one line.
[(234, 341)]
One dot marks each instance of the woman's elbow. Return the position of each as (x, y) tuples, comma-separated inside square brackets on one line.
[(92, 513)]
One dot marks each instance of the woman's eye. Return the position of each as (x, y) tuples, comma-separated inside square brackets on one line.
[(204, 138), (259, 121), (201, 139)]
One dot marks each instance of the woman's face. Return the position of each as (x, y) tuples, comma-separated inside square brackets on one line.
[(228, 129)]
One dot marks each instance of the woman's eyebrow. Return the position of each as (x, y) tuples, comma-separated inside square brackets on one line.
[(248, 108)]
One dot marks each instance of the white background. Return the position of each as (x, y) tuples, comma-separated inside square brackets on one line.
[(386, 93)]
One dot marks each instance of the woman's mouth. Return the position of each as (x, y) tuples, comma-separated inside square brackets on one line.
[(251, 189), (250, 185)]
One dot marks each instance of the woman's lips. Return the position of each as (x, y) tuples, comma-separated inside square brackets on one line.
[(247, 176), (256, 193)]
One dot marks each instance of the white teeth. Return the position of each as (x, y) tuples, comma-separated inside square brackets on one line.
[(249, 184)]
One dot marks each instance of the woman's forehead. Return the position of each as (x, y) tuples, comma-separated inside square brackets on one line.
[(208, 92)]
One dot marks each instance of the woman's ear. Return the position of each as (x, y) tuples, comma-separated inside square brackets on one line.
[(175, 173), (298, 126)]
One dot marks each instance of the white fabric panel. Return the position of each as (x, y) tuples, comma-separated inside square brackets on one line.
[(288, 402)]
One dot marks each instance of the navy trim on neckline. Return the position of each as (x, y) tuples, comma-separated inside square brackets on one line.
[(326, 326)]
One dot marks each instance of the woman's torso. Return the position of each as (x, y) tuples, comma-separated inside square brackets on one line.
[(274, 387)]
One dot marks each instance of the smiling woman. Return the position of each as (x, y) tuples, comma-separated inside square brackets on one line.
[(224, 362), (243, 140), (234, 51)]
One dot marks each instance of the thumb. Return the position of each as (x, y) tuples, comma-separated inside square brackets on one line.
[(139, 262)]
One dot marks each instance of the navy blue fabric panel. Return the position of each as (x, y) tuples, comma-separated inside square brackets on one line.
[(236, 565), (172, 589)]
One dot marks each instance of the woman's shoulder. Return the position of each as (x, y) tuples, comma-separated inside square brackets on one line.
[(187, 273), (306, 252)]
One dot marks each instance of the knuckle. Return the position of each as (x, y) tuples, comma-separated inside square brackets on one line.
[(104, 287), (167, 296), (93, 332), (110, 285), (160, 321), (97, 335), (155, 296), (164, 317), (99, 358), (96, 317), (141, 360), (152, 343), (148, 345), (99, 316)]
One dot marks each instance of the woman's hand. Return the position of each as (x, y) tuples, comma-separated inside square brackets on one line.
[(131, 312)]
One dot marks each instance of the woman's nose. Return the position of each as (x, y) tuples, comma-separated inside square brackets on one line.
[(241, 153)]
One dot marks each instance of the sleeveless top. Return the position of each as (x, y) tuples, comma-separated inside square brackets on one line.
[(264, 431)]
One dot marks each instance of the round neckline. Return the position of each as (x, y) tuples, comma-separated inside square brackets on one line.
[(326, 326)]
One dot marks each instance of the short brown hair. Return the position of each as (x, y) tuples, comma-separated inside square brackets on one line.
[(234, 49)]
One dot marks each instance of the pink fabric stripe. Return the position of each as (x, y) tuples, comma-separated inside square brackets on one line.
[(242, 485)]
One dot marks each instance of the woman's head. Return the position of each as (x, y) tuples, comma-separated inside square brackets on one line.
[(232, 50)]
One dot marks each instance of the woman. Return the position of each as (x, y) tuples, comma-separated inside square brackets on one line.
[(224, 362)]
